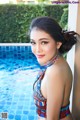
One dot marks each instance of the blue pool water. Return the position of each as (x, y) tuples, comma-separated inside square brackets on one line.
[(18, 70)]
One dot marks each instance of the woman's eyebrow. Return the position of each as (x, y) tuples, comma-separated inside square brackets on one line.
[(41, 39)]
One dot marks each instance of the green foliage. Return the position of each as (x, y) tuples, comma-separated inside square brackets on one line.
[(15, 20), (64, 19), (42, 1), (54, 11)]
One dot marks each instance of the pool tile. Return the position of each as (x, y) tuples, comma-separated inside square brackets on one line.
[(16, 63)]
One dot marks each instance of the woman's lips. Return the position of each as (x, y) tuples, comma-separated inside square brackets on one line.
[(40, 56)]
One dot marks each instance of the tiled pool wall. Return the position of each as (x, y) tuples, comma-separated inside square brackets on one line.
[(16, 51), (17, 101)]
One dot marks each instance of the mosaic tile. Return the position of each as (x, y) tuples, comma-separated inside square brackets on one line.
[(17, 75)]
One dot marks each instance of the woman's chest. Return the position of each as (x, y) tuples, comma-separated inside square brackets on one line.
[(40, 88)]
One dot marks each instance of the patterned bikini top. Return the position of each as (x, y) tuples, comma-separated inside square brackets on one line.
[(40, 101)]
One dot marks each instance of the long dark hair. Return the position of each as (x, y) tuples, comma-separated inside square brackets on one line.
[(50, 26)]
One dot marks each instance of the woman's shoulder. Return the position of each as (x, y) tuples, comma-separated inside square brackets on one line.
[(60, 69)]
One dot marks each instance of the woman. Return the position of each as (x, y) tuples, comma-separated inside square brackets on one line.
[(53, 85)]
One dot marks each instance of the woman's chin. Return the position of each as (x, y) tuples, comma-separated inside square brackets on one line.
[(41, 62)]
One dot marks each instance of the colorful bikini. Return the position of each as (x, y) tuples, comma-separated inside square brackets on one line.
[(40, 101)]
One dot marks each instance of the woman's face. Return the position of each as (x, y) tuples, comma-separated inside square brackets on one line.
[(43, 46)]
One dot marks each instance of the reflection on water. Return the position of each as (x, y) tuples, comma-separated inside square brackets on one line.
[(16, 87)]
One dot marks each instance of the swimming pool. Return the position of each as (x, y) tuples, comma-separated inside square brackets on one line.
[(18, 70)]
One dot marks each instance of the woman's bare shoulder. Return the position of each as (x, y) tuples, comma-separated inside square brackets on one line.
[(59, 70)]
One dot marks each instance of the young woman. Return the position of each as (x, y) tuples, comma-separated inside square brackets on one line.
[(53, 85)]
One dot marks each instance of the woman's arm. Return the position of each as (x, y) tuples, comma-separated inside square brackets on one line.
[(55, 92)]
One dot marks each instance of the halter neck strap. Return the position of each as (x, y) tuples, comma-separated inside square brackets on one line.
[(50, 62)]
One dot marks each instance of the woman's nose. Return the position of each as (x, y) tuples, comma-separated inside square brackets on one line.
[(38, 48)]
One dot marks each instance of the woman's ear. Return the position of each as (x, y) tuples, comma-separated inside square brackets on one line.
[(59, 44)]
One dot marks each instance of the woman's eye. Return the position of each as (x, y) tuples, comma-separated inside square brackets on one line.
[(33, 43), (44, 42)]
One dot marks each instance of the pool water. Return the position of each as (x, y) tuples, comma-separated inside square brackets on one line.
[(16, 88)]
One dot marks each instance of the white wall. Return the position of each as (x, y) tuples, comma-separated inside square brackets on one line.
[(72, 25), (4, 1), (7, 1)]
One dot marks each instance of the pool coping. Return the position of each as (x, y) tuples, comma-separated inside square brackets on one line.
[(15, 44)]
